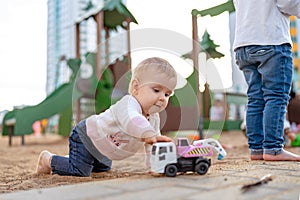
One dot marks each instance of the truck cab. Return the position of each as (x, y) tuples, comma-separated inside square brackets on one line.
[(162, 154)]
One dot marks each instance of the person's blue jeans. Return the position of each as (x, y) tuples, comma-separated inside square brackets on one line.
[(268, 72), (80, 161)]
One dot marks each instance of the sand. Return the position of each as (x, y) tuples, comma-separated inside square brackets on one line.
[(18, 162)]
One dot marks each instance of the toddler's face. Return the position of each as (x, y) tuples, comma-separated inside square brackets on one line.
[(154, 92)]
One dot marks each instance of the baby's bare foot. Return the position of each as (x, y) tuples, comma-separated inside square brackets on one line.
[(283, 156), (256, 157), (43, 165)]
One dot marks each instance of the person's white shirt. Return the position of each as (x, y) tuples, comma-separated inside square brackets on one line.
[(266, 23), (117, 133)]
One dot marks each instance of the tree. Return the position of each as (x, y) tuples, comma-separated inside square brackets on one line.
[(208, 46)]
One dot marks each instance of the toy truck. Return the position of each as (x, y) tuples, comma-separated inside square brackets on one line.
[(168, 159)]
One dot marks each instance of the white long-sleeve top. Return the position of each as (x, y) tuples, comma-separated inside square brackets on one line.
[(264, 22), (117, 133)]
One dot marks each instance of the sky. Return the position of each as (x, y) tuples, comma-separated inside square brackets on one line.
[(23, 41), (175, 16), (23, 52)]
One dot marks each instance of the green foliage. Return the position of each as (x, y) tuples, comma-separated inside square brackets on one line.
[(209, 46), (89, 6), (104, 90), (115, 14), (216, 10), (7, 116), (90, 58), (74, 64), (180, 97), (65, 121)]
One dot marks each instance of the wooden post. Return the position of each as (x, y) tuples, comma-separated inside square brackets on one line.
[(106, 46), (23, 139), (77, 103), (128, 43), (10, 134), (206, 95), (99, 21), (77, 40), (195, 54)]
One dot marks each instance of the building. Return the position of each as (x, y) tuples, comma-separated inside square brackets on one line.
[(61, 41), (63, 18), (62, 15)]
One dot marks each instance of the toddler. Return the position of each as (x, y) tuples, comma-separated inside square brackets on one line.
[(121, 130)]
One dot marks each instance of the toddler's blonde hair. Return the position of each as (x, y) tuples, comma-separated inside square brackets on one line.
[(159, 65)]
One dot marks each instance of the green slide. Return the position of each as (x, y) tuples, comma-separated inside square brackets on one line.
[(56, 102), (61, 100)]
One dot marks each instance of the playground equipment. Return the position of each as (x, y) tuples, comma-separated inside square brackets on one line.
[(19, 121), (112, 15), (169, 159), (229, 98)]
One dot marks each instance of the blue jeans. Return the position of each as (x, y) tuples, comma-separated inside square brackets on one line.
[(268, 72), (80, 161)]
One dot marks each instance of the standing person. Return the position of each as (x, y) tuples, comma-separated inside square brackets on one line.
[(121, 130), (216, 112), (263, 52)]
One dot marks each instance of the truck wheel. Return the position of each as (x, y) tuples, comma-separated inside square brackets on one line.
[(201, 168), (171, 170)]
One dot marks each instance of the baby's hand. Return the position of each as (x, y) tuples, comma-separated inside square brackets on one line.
[(162, 138), (150, 140)]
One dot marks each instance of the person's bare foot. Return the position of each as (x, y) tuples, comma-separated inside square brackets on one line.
[(256, 157), (283, 156), (291, 136), (43, 165)]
